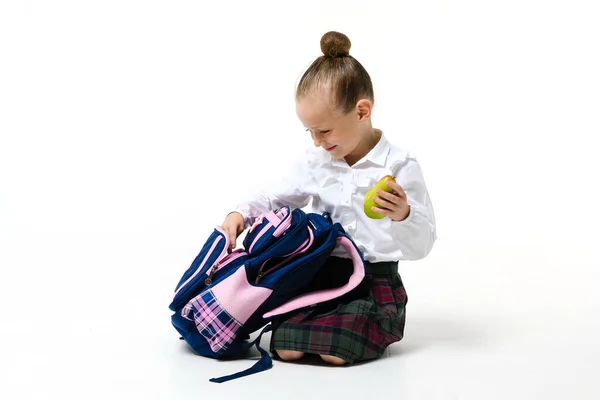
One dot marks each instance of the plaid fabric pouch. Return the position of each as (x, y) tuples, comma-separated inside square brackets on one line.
[(212, 321)]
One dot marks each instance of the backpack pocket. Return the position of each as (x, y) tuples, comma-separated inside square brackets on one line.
[(213, 323), (221, 311), (266, 229), (193, 279)]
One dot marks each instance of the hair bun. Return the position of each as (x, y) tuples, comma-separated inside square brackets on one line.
[(335, 44)]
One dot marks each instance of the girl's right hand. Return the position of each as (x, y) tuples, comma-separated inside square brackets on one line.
[(233, 226)]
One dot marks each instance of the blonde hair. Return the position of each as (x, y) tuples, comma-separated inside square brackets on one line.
[(338, 70)]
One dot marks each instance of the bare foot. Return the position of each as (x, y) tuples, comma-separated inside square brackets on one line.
[(290, 355), (333, 360)]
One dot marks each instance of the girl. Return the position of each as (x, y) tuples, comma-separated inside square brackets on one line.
[(334, 100)]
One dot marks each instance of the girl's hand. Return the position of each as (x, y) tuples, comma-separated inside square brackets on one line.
[(394, 205), (233, 226)]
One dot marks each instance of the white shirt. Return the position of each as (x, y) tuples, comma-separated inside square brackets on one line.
[(339, 189)]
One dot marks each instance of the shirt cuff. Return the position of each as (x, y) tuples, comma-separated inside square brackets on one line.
[(408, 218)]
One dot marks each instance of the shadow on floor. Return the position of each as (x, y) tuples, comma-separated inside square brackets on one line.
[(421, 332), (424, 332)]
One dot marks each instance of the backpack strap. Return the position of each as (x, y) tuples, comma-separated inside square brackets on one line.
[(328, 294), (263, 364)]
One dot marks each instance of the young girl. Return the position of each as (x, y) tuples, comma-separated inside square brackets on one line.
[(334, 101)]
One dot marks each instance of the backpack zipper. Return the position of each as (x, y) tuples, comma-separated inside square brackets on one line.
[(223, 263), (301, 249), (259, 276), (211, 273)]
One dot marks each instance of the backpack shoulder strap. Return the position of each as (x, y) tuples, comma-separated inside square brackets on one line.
[(324, 295)]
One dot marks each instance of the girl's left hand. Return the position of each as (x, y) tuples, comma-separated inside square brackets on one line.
[(394, 205)]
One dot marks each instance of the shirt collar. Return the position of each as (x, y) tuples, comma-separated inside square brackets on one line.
[(377, 155)]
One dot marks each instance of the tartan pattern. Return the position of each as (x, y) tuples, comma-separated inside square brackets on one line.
[(213, 322), (354, 330)]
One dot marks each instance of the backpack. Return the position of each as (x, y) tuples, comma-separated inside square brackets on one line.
[(224, 297)]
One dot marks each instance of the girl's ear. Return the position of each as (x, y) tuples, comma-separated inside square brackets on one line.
[(364, 108)]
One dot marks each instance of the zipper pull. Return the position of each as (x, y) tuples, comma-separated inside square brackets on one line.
[(213, 270), (259, 276)]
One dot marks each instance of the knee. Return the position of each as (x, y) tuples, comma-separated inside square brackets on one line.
[(332, 360), (290, 355)]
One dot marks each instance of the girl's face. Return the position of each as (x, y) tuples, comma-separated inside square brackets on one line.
[(339, 134)]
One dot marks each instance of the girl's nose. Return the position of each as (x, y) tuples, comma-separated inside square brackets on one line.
[(316, 140)]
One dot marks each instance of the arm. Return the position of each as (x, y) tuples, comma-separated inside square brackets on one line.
[(289, 191), (410, 210), (415, 234)]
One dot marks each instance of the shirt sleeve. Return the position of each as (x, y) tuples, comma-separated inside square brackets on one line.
[(290, 191), (416, 234)]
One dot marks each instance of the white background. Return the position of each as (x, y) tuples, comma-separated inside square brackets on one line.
[(128, 130)]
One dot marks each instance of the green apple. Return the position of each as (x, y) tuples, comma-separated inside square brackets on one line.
[(381, 184)]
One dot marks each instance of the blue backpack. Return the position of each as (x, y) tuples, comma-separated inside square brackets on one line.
[(224, 297)]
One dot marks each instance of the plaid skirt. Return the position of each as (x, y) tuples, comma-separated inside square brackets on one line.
[(358, 326)]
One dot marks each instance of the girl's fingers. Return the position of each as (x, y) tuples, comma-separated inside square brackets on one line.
[(233, 240), (389, 197), (383, 202), (232, 237), (399, 189), (381, 210)]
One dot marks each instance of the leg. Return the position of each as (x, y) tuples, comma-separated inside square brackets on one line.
[(290, 355), (332, 360)]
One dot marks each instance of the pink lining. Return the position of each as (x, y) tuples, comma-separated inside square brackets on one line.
[(284, 225), (262, 232), (325, 295), (210, 251), (256, 223)]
